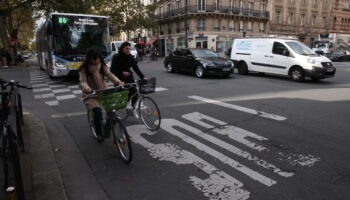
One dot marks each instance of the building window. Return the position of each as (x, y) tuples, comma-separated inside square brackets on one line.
[(336, 3), (262, 27), (217, 4), (314, 3), (232, 26), (250, 6), (241, 4), (347, 4), (201, 5), (291, 18), (334, 22), (278, 17), (324, 21), (304, 2), (217, 25), (201, 25), (250, 26), (178, 5), (302, 19), (241, 26), (313, 22), (325, 4)]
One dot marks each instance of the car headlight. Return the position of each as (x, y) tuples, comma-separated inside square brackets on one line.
[(229, 63), (59, 63), (312, 61), (207, 63)]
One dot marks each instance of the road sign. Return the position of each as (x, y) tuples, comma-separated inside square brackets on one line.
[(13, 42)]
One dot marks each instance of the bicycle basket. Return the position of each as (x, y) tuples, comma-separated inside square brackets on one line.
[(115, 101), (147, 86)]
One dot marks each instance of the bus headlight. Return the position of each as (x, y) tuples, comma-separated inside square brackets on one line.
[(60, 64)]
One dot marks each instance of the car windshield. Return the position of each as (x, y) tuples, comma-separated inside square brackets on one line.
[(203, 53), (300, 48), (76, 34), (321, 44)]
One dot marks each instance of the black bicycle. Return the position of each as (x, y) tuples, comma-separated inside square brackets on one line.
[(146, 108), (113, 99)]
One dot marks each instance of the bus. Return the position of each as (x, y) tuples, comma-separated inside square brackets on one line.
[(64, 39)]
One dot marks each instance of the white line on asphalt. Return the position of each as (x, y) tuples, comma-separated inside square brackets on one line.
[(73, 87), (240, 108), (77, 91), (240, 135), (159, 89), (65, 97), (44, 96), (62, 115), (42, 90), (233, 132), (40, 85), (61, 90), (169, 124), (219, 185), (57, 86), (235, 150), (52, 103)]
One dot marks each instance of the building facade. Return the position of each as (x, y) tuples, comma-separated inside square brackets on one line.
[(340, 22), (211, 24), (301, 19)]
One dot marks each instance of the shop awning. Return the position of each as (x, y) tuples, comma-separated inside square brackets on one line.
[(150, 42)]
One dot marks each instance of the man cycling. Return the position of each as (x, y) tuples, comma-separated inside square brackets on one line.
[(121, 67)]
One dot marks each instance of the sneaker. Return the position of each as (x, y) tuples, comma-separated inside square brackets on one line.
[(129, 106), (136, 113)]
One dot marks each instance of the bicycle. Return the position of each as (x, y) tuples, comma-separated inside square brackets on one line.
[(10, 145), (14, 91), (146, 107), (113, 99)]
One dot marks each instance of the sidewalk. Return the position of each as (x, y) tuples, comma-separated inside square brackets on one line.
[(41, 177)]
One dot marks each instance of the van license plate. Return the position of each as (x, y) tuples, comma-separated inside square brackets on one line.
[(226, 69), (330, 70)]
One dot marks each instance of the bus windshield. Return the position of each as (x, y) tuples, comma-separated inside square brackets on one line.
[(76, 34)]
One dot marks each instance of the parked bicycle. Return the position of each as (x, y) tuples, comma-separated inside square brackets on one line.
[(11, 141), (146, 108), (113, 99)]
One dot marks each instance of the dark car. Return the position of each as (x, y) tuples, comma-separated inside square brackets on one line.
[(339, 56), (200, 62)]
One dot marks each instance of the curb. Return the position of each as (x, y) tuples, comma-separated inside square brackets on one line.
[(46, 178)]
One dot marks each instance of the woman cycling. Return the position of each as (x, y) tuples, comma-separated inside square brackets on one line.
[(92, 76)]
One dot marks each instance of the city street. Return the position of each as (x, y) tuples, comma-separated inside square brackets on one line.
[(257, 137)]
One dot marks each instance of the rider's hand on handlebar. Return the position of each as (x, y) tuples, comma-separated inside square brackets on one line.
[(87, 90), (121, 83)]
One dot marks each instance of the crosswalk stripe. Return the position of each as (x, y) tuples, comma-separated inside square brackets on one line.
[(169, 124), (219, 185), (239, 108)]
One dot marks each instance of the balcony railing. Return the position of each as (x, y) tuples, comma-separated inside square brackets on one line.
[(212, 9)]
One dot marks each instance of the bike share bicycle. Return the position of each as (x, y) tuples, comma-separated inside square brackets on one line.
[(146, 108), (11, 141)]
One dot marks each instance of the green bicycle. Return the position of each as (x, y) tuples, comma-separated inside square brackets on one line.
[(113, 99)]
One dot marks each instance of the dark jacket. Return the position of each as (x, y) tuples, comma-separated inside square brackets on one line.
[(123, 63)]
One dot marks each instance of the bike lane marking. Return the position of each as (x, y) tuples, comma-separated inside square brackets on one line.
[(218, 186), (239, 108)]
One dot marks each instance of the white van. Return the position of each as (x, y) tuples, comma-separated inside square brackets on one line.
[(116, 44), (280, 56)]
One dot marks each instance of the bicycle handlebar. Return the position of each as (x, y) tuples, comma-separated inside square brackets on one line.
[(4, 84)]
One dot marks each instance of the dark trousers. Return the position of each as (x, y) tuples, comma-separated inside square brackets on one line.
[(132, 90)]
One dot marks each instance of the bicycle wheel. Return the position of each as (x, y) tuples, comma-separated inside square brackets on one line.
[(20, 108), (90, 116), (19, 130), (122, 141), (149, 113)]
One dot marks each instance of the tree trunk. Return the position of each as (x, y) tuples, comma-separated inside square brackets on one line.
[(3, 35)]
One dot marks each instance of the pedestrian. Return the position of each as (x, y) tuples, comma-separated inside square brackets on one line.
[(154, 53)]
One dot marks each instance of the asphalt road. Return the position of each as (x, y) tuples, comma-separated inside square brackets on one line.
[(247, 137)]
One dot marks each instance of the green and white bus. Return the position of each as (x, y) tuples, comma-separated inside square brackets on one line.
[(64, 39)]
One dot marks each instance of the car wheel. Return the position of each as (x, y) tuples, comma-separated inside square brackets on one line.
[(199, 71), (297, 74), (227, 76), (242, 68), (315, 79), (169, 68)]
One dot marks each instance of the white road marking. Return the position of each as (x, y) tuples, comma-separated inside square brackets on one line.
[(77, 91), (57, 86), (44, 96), (233, 132), (61, 90), (65, 97), (219, 185), (240, 135), (42, 90), (61, 115), (52, 103), (235, 150), (240, 108), (40, 85), (159, 89), (73, 87), (169, 124)]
